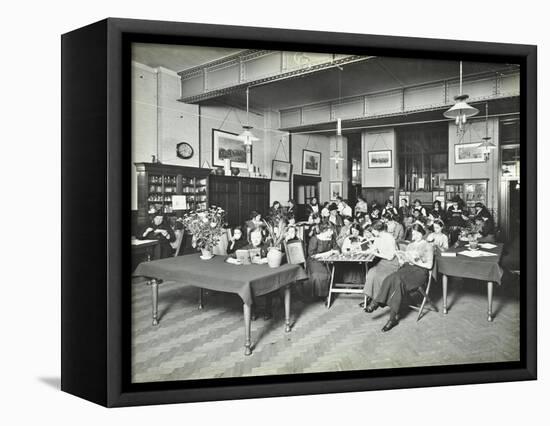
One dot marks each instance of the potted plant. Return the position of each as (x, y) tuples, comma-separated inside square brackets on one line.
[(206, 227), (276, 229)]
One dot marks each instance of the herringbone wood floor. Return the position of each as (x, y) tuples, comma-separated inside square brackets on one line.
[(192, 344)]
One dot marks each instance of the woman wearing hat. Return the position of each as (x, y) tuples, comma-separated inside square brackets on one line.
[(456, 218)]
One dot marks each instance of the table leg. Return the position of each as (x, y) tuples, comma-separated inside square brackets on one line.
[(444, 283), (247, 344), (287, 309), (333, 265), (200, 298), (155, 294), (489, 301)]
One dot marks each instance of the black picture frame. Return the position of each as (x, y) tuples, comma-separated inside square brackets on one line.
[(216, 162), (95, 155), (370, 161), (304, 170), (275, 177)]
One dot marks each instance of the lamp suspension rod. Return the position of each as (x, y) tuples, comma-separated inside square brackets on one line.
[(460, 83), (247, 93)]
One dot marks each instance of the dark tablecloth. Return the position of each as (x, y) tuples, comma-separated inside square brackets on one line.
[(478, 268), (247, 281)]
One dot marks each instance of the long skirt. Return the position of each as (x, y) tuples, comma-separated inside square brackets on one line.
[(396, 285), (377, 274), (319, 277)]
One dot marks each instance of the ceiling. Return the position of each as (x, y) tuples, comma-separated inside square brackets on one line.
[(176, 57), (369, 76)]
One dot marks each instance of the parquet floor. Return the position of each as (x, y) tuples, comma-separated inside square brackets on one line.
[(192, 344)]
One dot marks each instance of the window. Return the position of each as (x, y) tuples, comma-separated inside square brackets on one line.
[(423, 153)]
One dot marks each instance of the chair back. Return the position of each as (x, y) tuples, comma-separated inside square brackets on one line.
[(176, 245)]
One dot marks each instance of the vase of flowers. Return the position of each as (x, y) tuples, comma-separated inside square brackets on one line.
[(206, 228), (276, 230)]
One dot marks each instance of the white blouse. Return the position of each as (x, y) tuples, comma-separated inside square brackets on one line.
[(384, 246)]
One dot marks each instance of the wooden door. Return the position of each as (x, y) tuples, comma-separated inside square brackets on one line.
[(224, 192)]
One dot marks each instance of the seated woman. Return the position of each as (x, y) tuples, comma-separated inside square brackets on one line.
[(383, 247), (255, 222), (375, 213), (344, 231), (389, 208), (334, 218), (313, 207), (159, 229), (456, 218), (437, 212), (439, 240), (394, 227), (237, 241), (483, 213), (418, 259), (256, 242), (321, 244), (484, 229), (353, 273), (361, 206), (291, 210), (314, 221)]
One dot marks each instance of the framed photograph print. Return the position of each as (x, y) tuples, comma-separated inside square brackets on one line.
[(157, 300), (281, 170), (469, 153), (379, 159), (335, 190), (311, 163), (228, 146)]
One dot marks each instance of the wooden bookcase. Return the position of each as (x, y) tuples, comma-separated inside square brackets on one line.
[(158, 183), (470, 190)]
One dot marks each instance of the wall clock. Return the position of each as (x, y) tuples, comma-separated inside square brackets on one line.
[(184, 150)]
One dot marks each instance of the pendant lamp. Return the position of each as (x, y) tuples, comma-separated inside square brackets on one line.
[(461, 110)]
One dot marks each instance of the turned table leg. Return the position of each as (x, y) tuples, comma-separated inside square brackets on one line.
[(444, 283), (489, 301), (200, 298), (287, 309), (247, 344), (155, 294)]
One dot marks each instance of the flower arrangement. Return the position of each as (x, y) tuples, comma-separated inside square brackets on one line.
[(206, 226), (276, 229)]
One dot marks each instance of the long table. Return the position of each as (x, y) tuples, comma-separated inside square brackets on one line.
[(248, 281), (485, 269)]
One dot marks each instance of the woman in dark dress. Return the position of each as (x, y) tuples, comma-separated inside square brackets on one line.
[(159, 229), (237, 241), (456, 219), (418, 261), (483, 213), (291, 210), (321, 244), (313, 207)]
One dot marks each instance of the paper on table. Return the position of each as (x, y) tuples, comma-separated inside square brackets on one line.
[(487, 246), (476, 253), (448, 254)]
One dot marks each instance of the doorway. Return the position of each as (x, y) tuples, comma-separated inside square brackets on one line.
[(305, 188)]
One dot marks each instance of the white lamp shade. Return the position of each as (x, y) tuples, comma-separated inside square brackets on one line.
[(247, 136), (461, 108), (487, 144)]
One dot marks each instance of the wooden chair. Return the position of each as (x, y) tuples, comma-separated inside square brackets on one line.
[(425, 293), (176, 245)]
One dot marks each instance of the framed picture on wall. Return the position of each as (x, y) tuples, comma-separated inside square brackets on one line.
[(226, 145), (335, 190), (311, 163), (469, 153), (281, 170), (379, 159)]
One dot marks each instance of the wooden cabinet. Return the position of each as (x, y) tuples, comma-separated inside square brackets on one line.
[(238, 196), (157, 184)]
